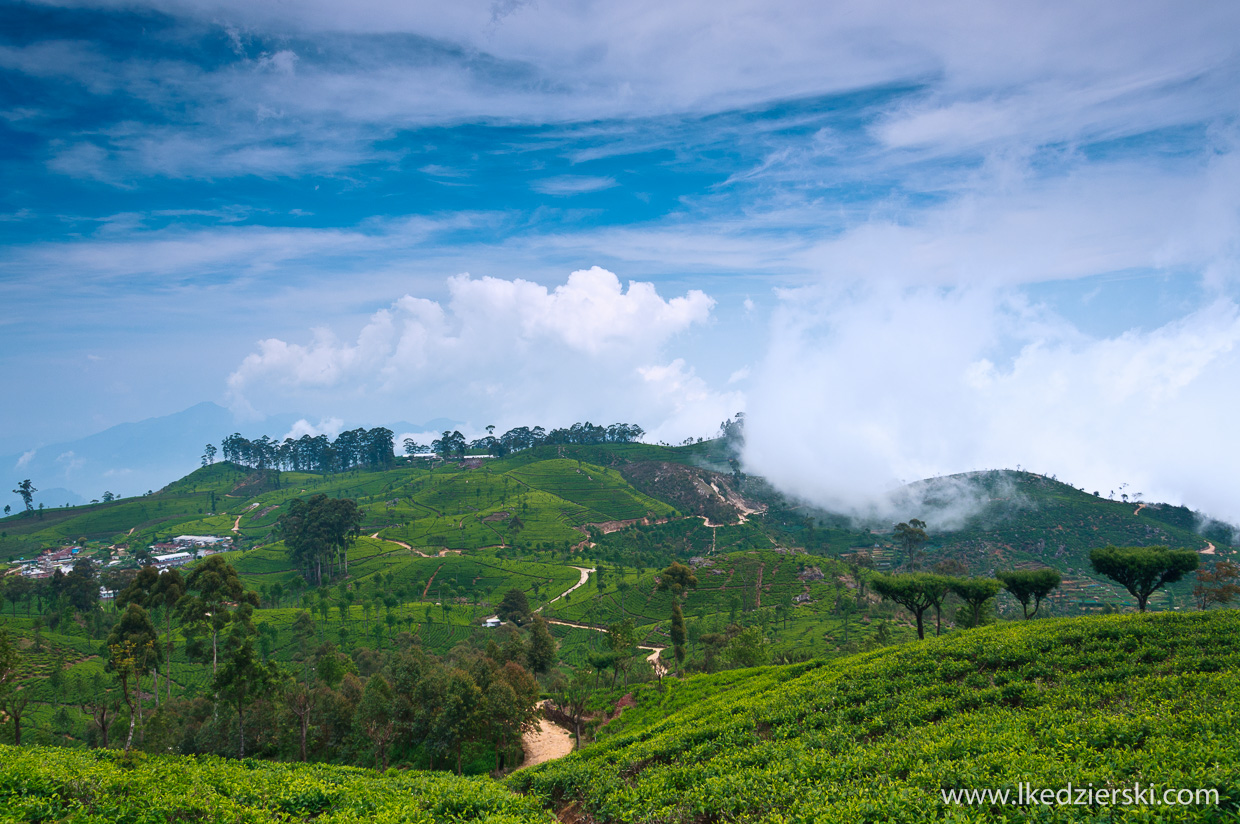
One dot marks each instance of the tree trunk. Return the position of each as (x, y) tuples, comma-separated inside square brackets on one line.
[(129, 703), (921, 633), (305, 728)]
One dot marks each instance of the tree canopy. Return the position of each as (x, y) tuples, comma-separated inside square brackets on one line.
[(1142, 570), (1030, 585), (916, 592), (318, 532)]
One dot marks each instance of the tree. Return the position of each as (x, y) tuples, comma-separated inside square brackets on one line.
[(319, 530), (570, 696), (911, 591), (912, 536), (514, 607), (748, 648), (678, 635), (677, 579), (81, 586), (374, 715), (450, 443), (457, 722), (509, 707), (1217, 584), (168, 590), (133, 647), (542, 652), (16, 588), (1030, 584), (26, 491), (244, 677), (8, 666), (1143, 569), (208, 455), (976, 592), (211, 586)]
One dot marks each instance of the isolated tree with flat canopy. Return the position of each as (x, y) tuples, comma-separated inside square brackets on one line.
[(915, 591), (1027, 585), (1142, 570), (976, 592)]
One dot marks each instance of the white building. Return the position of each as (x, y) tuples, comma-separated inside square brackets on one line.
[(175, 559), (199, 540)]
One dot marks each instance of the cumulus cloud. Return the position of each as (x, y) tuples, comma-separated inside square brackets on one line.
[(510, 350), (876, 385), (331, 427)]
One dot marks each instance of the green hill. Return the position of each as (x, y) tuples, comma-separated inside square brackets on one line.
[(1106, 702), (102, 786)]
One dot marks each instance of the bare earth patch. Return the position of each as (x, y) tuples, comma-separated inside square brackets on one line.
[(547, 743)]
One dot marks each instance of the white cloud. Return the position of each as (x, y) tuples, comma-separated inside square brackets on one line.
[(508, 350), (25, 459), (868, 387), (572, 184), (331, 427)]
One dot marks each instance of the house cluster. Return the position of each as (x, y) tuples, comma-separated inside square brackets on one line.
[(49, 561), (185, 548)]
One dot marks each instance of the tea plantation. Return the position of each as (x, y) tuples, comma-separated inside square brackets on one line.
[(1109, 701)]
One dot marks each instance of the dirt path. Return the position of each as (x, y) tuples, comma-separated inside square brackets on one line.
[(400, 543), (431, 581), (237, 525), (1209, 550), (585, 576), (653, 657), (547, 743)]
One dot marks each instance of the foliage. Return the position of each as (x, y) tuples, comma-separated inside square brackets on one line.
[(1217, 584), (1030, 584), (878, 736), (1142, 570), (100, 787), (318, 531)]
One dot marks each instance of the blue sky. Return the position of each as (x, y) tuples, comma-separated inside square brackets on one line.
[(933, 239)]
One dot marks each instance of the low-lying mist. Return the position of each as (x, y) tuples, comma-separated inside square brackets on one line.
[(864, 390)]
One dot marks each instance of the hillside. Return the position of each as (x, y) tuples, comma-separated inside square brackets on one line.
[(1107, 701), (1113, 702), (103, 787)]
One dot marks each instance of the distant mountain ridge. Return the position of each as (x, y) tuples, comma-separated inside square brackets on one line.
[(130, 458)]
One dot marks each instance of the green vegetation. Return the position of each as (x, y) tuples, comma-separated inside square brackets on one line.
[(102, 787), (345, 625), (1142, 570), (877, 737)]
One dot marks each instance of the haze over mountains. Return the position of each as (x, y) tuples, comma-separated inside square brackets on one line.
[(131, 458)]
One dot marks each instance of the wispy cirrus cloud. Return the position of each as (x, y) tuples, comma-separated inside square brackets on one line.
[(572, 184)]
